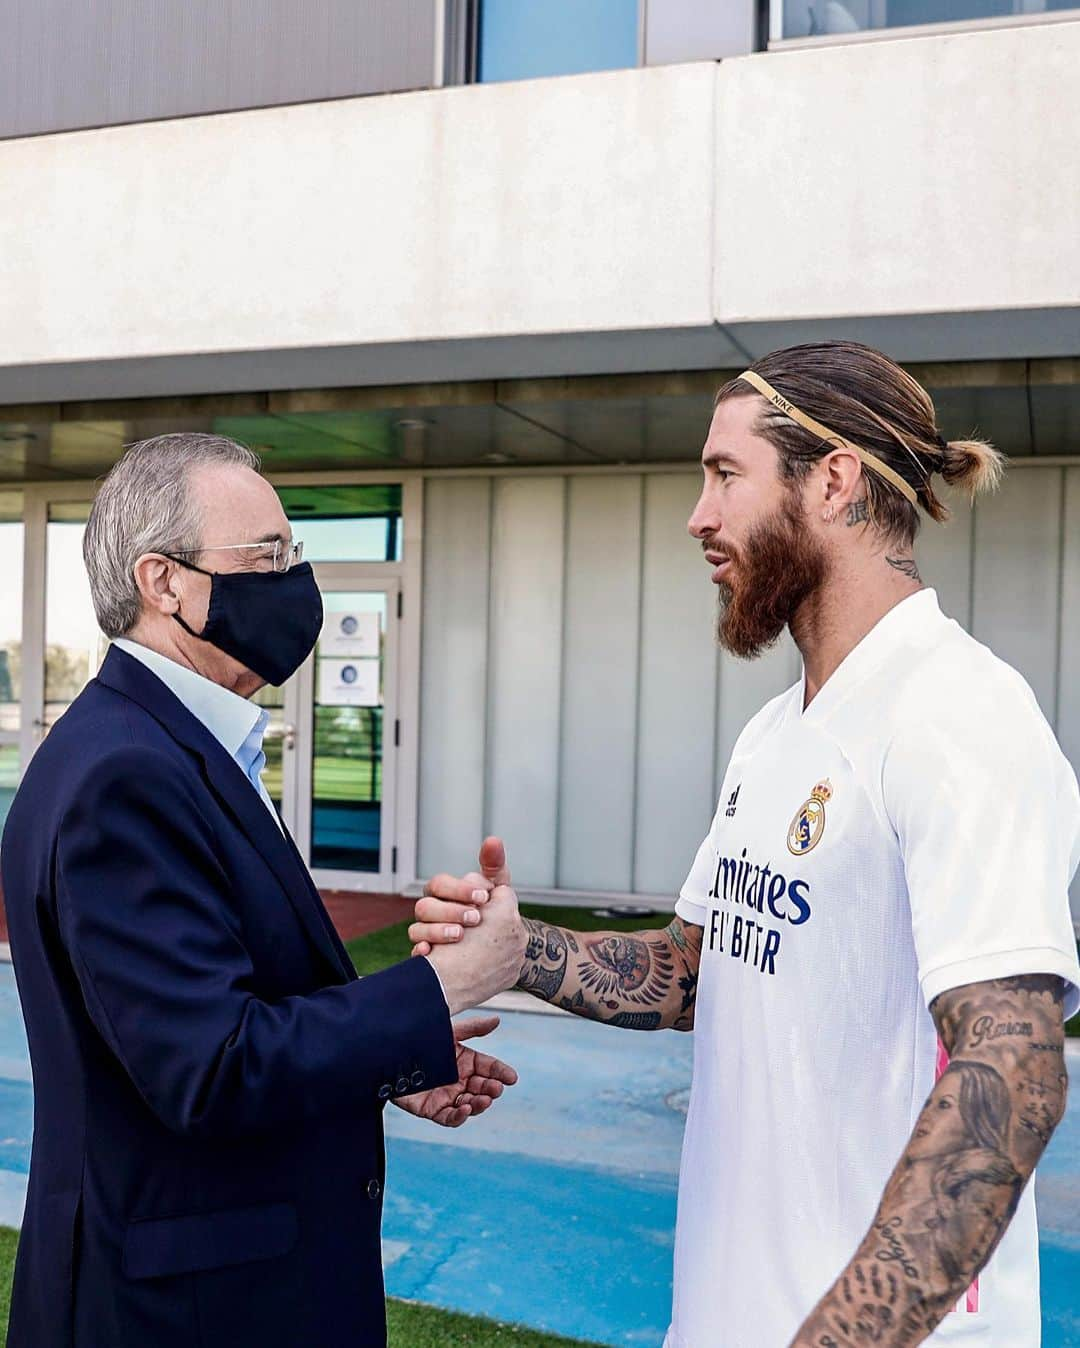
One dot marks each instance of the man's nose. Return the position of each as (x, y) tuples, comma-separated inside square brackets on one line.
[(701, 524)]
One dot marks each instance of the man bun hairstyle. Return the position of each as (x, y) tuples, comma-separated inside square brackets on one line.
[(862, 395)]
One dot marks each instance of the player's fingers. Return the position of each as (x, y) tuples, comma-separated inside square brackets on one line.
[(441, 910), (435, 933), (452, 888), (421, 948), (479, 882)]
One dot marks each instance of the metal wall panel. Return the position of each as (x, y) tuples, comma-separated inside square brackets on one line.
[(944, 555), (82, 63), (1016, 577), (525, 668), (453, 675), (1068, 717), (677, 734), (600, 683)]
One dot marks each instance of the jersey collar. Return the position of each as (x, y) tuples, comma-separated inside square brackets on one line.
[(913, 622)]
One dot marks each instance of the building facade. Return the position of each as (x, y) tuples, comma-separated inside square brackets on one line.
[(468, 274)]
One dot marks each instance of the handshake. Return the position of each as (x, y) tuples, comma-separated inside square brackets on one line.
[(471, 931)]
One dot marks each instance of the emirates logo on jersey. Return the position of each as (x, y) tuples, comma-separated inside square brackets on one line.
[(809, 822)]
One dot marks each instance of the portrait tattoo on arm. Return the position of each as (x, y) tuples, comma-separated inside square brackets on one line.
[(635, 981), (958, 1183)]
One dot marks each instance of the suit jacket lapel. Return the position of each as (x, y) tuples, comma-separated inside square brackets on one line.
[(226, 779)]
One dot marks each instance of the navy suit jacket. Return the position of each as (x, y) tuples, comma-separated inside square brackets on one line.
[(209, 1072)]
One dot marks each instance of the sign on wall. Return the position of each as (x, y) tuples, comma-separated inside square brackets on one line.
[(349, 683), (354, 635)]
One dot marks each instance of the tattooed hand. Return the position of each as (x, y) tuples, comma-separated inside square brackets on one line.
[(956, 1187)]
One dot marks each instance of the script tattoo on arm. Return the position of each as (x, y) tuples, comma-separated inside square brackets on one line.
[(956, 1187), (634, 980)]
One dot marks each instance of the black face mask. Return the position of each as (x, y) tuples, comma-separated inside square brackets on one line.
[(268, 620)]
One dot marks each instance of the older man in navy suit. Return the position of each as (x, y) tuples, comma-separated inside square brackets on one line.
[(209, 1071)]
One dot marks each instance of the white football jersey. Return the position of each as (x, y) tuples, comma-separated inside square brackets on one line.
[(914, 829)]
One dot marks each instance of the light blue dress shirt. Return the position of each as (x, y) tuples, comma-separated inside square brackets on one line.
[(235, 722)]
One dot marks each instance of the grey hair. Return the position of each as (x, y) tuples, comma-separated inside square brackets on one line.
[(145, 505)]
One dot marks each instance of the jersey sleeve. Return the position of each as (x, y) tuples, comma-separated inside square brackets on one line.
[(693, 901), (987, 813)]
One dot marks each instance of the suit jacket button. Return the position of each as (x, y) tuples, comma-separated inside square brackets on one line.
[(374, 1189), (402, 1085), (418, 1080), (386, 1091)]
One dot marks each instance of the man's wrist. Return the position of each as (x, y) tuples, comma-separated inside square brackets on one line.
[(442, 985)]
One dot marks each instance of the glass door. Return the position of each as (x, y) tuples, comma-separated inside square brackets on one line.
[(337, 730)]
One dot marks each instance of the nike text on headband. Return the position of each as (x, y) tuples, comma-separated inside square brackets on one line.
[(830, 437)]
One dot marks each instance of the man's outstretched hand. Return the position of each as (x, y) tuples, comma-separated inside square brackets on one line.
[(481, 1080)]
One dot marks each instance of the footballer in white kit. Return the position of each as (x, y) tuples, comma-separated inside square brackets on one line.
[(874, 943)]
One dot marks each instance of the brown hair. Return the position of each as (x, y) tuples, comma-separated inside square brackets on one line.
[(864, 396)]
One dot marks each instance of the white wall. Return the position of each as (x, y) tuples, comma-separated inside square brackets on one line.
[(920, 193), (573, 698)]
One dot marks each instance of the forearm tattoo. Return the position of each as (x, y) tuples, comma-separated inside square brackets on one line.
[(956, 1187), (637, 981)]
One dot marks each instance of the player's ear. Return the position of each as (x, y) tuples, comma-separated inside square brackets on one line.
[(841, 481)]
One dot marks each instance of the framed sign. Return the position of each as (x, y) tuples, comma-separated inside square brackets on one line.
[(351, 635), (349, 683)]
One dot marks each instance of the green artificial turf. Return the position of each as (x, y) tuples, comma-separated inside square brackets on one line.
[(8, 1240), (410, 1326), (413, 1326), (380, 948)]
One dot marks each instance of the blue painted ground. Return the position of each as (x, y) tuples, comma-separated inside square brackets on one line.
[(557, 1208)]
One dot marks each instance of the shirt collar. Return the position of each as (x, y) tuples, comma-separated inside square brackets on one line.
[(229, 717)]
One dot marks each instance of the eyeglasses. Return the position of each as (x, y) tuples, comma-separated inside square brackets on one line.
[(281, 555)]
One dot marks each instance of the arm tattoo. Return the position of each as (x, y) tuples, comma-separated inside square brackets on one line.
[(637, 981), (858, 512), (956, 1187), (906, 566)]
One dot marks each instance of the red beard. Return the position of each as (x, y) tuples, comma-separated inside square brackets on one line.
[(777, 569)]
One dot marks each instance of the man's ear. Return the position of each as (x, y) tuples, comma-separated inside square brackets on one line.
[(841, 480), (156, 579)]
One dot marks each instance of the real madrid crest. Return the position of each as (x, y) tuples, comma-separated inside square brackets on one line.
[(809, 822)]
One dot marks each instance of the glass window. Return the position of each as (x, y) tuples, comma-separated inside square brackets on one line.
[(74, 644), (346, 768), (11, 599), (523, 39), (814, 18), (346, 524)]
